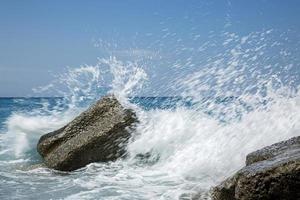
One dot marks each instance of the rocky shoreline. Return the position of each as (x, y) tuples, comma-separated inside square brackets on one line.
[(100, 134), (270, 173)]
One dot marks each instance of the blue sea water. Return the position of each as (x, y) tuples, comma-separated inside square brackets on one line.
[(242, 97), (21, 175), (190, 149), (9, 105)]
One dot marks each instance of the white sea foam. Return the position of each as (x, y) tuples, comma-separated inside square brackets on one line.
[(24, 130), (193, 144), (240, 101)]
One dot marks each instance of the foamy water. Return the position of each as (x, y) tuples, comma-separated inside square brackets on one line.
[(240, 99)]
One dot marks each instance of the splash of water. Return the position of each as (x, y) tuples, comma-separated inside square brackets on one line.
[(79, 87), (239, 104), (240, 98)]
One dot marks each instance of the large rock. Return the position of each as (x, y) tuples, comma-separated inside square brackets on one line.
[(271, 173), (98, 134)]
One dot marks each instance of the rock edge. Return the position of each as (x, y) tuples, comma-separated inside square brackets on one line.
[(98, 134)]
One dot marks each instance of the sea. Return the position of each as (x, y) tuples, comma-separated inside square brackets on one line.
[(191, 136)]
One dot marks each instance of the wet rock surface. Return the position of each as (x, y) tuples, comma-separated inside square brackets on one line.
[(98, 134), (270, 173)]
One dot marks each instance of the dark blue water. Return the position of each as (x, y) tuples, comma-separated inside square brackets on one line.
[(11, 105), (44, 105)]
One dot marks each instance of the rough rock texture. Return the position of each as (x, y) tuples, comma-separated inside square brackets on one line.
[(273, 150), (271, 173), (98, 134)]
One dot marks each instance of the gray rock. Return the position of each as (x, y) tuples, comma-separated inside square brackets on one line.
[(98, 134), (273, 150), (271, 173)]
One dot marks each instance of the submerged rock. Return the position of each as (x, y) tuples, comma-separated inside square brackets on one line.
[(98, 134), (271, 173)]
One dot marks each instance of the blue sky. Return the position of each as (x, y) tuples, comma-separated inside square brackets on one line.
[(41, 38)]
